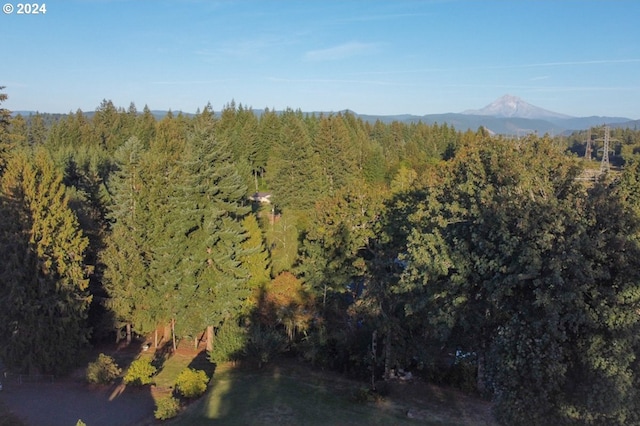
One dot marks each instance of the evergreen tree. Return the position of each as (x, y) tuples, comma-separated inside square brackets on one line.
[(5, 141), (171, 135), (374, 166), (256, 258), (247, 131), (37, 134), (126, 256), (282, 232), (337, 156), (238, 127), (18, 131), (145, 127), (43, 294), (294, 167), (207, 234), (111, 126), (162, 180), (268, 135)]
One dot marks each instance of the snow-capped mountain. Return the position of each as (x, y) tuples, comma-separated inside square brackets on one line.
[(510, 106), (511, 115)]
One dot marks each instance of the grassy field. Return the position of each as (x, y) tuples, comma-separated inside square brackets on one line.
[(174, 365), (290, 393), (293, 395)]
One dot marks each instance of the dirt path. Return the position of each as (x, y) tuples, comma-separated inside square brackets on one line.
[(63, 403)]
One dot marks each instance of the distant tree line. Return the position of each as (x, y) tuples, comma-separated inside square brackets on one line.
[(473, 260)]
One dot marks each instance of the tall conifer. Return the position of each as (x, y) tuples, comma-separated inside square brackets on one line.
[(204, 253), (43, 289), (256, 257), (5, 141), (294, 167), (126, 256)]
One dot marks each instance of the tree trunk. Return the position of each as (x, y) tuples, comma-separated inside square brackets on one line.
[(155, 339), (387, 354), (324, 297), (209, 338), (480, 379), (374, 350), (167, 332), (173, 333), (128, 334)]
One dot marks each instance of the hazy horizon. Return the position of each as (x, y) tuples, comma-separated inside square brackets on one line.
[(376, 57)]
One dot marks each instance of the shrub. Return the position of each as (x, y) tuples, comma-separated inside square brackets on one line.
[(140, 372), (167, 408), (382, 388), (103, 371), (313, 348), (462, 375), (191, 383), (230, 342), (264, 344), (363, 395), (285, 301)]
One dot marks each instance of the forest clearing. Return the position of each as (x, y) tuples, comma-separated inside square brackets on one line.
[(286, 393)]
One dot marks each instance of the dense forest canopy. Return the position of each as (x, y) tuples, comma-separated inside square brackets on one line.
[(480, 261)]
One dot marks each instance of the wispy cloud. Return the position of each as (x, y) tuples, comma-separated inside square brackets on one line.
[(189, 82), (554, 89), (341, 51), (539, 78), (571, 63), (250, 47), (503, 66), (384, 17), (247, 48), (331, 81)]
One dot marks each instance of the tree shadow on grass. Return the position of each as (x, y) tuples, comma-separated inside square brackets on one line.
[(162, 354), (201, 362), (262, 390)]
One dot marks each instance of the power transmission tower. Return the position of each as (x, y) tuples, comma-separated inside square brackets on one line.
[(589, 149), (604, 165)]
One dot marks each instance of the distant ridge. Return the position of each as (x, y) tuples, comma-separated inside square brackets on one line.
[(507, 115)]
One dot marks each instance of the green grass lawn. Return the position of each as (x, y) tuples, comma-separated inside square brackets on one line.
[(290, 393), (295, 395), (172, 364)]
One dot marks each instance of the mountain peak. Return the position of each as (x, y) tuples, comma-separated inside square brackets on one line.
[(513, 106)]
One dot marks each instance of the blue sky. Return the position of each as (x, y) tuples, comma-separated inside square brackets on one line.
[(577, 57)]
